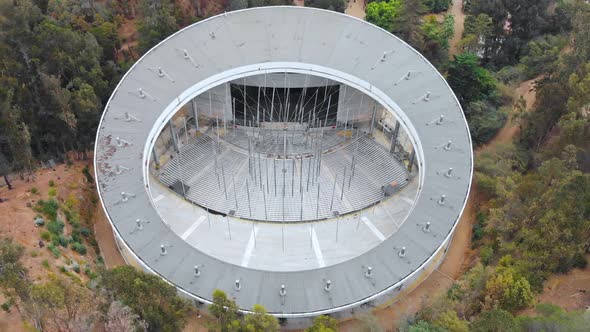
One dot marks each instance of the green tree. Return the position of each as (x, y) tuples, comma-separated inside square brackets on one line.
[(437, 6), (477, 30), (323, 324), (260, 321), (64, 306), (157, 23), (552, 318), (407, 22), (436, 37), (155, 301), (382, 13), (449, 321), (226, 312), (495, 320), (14, 281), (335, 5), (469, 81)]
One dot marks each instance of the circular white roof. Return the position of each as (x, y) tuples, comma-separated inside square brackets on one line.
[(284, 39)]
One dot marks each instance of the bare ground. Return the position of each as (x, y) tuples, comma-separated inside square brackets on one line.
[(457, 11), (16, 221), (356, 8)]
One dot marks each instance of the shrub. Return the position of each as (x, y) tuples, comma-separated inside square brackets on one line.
[(51, 183), (52, 192), (62, 240), (86, 172), (56, 253), (6, 306), (45, 264), (76, 268), (55, 227), (45, 235), (63, 269), (48, 208), (579, 261), (486, 254), (34, 253), (85, 231), (34, 191), (79, 248)]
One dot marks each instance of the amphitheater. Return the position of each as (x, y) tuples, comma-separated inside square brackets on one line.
[(292, 157)]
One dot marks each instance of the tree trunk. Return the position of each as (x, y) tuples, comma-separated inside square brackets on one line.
[(7, 182)]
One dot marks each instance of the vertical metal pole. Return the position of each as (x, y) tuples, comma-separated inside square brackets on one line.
[(272, 104), (264, 198), (274, 166), (308, 172), (317, 211), (333, 192), (301, 174), (293, 177), (224, 186), (373, 118), (235, 190), (301, 208), (343, 179), (258, 109), (327, 111), (248, 194)]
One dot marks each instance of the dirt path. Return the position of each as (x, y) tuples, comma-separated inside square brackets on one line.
[(106, 240), (356, 8), (510, 128), (457, 11)]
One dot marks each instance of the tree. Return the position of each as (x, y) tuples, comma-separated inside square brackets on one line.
[(120, 318), (437, 6), (151, 298), (323, 323), (13, 275), (382, 13), (407, 22), (436, 37), (552, 318), (157, 23), (477, 30), (5, 169), (495, 320), (64, 306), (469, 81), (507, 291), (260, 321), (226, 311), (449, 321), (335, 5), (237, 4)]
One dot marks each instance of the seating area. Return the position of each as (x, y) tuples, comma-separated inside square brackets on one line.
[(224, 175)]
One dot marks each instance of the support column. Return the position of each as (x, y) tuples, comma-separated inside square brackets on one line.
[(394, 138), (156, 157), (412, 159), (173, 134), (195, 113)]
